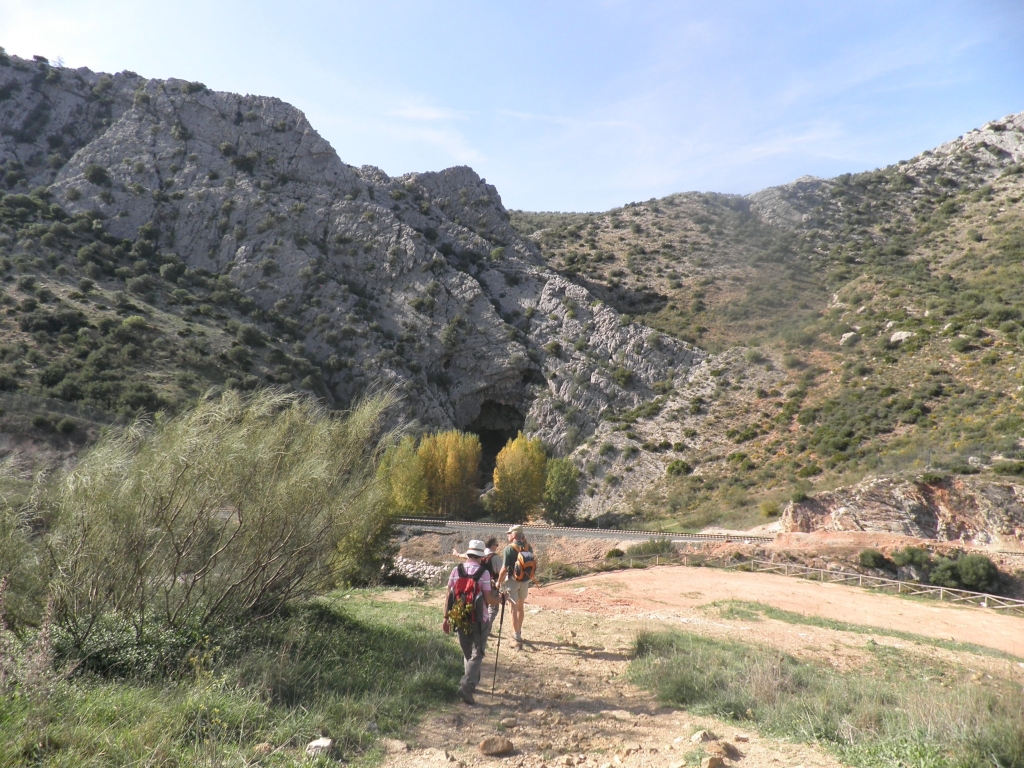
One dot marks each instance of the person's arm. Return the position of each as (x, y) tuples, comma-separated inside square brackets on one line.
[(445, 625), (504, 567), (490, 595)]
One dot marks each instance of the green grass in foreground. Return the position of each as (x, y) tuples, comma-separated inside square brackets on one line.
[(352, 669), (747, 610), (900, 711)]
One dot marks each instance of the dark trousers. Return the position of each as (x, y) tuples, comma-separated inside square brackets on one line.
[(473, 644)]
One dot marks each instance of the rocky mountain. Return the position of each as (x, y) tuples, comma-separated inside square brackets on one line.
[(864, 325), (158, 238), (214, 211)]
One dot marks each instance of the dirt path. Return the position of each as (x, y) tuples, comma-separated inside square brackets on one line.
[(679, 591), (564, 700)]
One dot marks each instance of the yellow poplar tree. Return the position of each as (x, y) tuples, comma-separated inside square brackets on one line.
[(450, 463), (404, 476), (519, 478)]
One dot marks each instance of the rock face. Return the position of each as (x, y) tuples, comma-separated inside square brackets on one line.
[(961, 509), (418, 283)]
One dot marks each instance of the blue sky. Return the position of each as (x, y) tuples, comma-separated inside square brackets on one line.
[(573, 104)]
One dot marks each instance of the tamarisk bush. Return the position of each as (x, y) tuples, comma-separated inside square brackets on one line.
[(20, 568), (219, 515)]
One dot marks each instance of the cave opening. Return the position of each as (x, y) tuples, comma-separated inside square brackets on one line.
[(495, 425)]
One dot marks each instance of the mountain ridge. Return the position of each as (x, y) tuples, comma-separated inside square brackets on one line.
[(253, 255), (419, 278)]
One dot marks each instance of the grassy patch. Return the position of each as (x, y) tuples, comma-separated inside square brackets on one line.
[(744, 610), (650, 547), (900, 711), (350, 669)]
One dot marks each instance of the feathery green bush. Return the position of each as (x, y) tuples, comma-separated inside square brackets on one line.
[(220, 515)]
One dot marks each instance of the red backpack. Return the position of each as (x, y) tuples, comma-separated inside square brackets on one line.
[(466, 600)]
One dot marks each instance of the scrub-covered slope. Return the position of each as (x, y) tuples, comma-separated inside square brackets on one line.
[(228, 219)]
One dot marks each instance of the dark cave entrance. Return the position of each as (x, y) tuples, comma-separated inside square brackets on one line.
[(496, 424)]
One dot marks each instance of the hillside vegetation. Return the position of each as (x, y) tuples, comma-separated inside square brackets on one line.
[(886, 305), (164, 601), (700, 358), (253, 255)]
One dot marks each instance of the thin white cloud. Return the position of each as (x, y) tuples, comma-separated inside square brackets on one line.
[(573, 122), (451, 142), (425, 113)]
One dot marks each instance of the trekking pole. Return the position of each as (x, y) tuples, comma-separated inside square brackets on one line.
[(497, 650)]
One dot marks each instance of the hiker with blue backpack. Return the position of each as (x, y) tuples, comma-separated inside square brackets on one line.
[(466, 611), (519, 568)]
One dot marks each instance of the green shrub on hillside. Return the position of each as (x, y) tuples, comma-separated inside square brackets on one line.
[(561, 490), (975, 571), (650, 547), (872, 558), (219, 516), (22, 582), (915, 556), (97, 174), (679, 468)]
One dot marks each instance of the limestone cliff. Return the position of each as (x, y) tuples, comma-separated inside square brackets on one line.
[(418, 282), (967, 509)]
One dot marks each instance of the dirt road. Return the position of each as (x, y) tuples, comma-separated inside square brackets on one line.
[(679, 590), (564, 700)]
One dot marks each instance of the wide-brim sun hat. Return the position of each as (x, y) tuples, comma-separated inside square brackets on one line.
[(476, 547)]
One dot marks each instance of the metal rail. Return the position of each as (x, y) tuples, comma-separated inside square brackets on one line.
[(602, 533), (909, 588), (980, 599)]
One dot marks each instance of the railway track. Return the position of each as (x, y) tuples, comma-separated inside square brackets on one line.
[(461, 526)]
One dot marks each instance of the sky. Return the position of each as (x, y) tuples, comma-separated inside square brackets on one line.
[(577, 105)]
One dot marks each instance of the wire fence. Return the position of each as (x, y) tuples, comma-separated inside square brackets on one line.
[(557, 571)]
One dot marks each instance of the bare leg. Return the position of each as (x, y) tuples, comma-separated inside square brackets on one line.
[(518, 613)]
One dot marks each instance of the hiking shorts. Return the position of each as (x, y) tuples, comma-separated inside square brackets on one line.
[(517, 590)]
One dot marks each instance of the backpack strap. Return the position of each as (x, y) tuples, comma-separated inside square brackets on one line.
[(474, 576)]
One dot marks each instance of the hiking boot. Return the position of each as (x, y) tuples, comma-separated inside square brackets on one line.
[(518, 637), (466, 696)]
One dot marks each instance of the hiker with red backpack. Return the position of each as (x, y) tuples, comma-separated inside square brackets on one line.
[(519, 568), (466, 611)]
